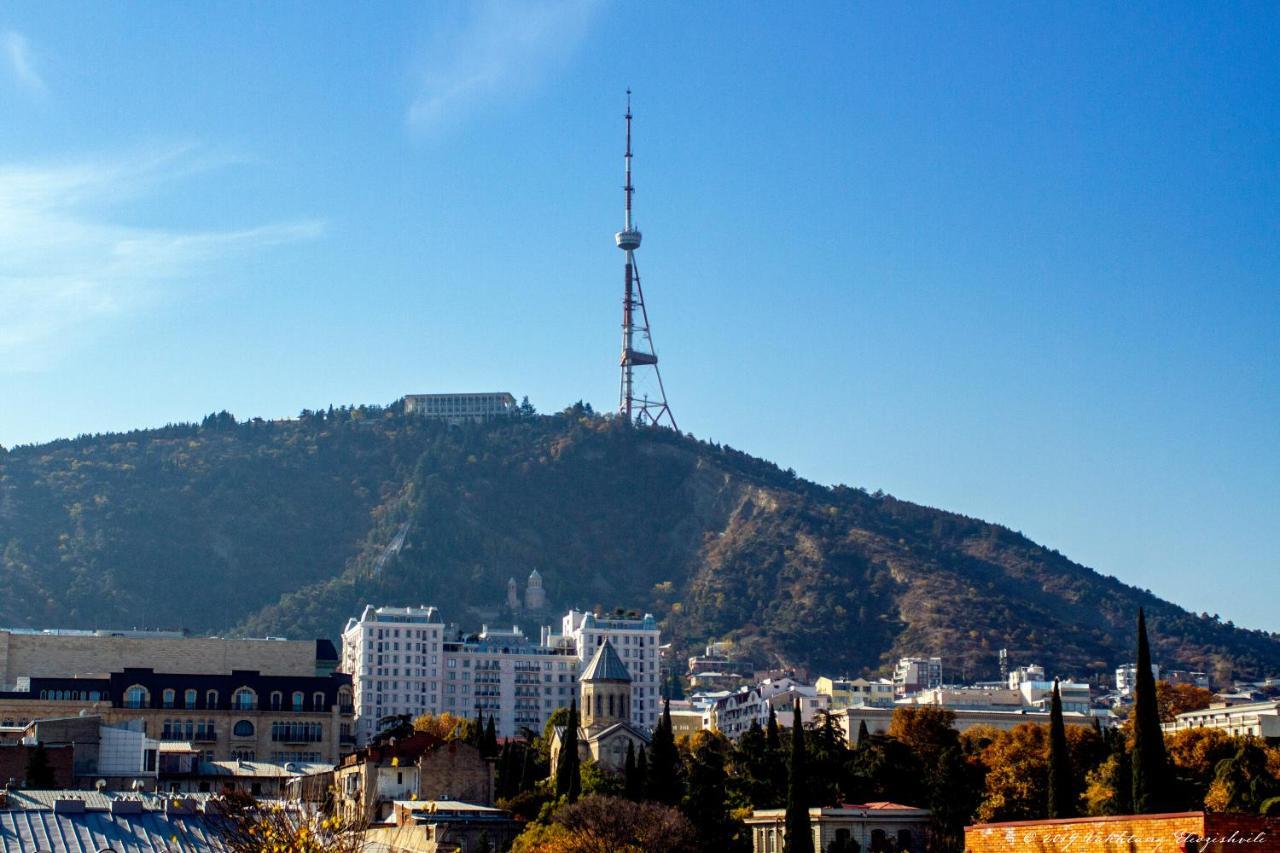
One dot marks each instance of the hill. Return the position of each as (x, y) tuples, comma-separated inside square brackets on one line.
[(289, 527)]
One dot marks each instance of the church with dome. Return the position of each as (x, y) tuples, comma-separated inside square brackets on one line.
[(604, 710)]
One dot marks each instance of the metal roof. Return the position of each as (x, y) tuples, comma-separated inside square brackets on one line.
[(606, 665), (30, 830)]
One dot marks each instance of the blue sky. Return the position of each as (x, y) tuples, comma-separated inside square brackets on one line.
[(1014, 260)]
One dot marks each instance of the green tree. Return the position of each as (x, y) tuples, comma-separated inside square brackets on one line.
[(568, 767), (664, 763), (489, 747), (1241, 783), (705, 804), (1062, 793), (799, 837), (633, 785), (1150, 762)]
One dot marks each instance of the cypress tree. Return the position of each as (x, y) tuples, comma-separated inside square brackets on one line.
[(1150, 761), (772, 740), (642, 772), (799, 838), (490, 746), (664, 763), (1061, 782), (630, 781), (568, 766), (863, 734)]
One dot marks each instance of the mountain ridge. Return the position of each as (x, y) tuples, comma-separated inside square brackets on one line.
[(284, 527)]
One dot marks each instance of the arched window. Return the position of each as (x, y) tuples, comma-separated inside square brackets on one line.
[(243, 728), (297, 700), (137, 696), (344, 700), (188, 729), (169, 696), (211, 699), (244, 699), (277, 700), (317, 701), (189, 699)]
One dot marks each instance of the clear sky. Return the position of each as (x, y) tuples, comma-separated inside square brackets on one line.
[(1021, 261)]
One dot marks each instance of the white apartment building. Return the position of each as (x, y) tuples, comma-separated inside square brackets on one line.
[(733, 715), (501, 673), (405, 660), (852, 692), (1127, 677), (395, 656), (913, 674), (636, 641)]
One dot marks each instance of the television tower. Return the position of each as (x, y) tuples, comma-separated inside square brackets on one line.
[(637, 342)]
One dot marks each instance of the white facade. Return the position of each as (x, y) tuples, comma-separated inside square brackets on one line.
[(1127, 677), (636, 641), (459, 408), (1256, 719), (733, 715), (395, 656), (913, 674), (504, 675), (404, 660)]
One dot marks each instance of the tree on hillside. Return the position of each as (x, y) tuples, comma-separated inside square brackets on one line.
[(1150, 762), (1062, 784), (799, 837)]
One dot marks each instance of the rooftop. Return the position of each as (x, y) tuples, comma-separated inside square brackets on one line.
[(605, 665)]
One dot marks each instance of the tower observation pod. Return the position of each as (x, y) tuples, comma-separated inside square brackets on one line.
[(640, 375)]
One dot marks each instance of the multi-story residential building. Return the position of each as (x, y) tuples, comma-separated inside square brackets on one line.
[(1182, 676), (733, 715), (851, 692), (1256, 719), (913, 674), (1127, 677), (504, 675), (241, 714), (395, 657), (636, 642), (61, 653), (461, 408), (1032, 672), (406, 661), (878, 719)]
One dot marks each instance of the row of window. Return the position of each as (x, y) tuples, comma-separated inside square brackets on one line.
[(242, 699), (297, 732)]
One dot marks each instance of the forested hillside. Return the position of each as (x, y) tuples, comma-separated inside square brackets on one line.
[(283, 528)]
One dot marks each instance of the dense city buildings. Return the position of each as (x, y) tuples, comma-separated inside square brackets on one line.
[(408, 661), (1252, 719)]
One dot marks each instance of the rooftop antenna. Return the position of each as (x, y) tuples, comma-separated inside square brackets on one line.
[(637, 342)]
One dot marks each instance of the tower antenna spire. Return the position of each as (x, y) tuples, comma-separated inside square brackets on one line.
[(647, 407)]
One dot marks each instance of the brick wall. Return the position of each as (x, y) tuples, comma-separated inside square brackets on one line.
[(455, 770), (13, 763), (53, 656), (1128, 833)]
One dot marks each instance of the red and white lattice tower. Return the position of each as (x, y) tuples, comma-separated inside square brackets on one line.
[(639, 358)]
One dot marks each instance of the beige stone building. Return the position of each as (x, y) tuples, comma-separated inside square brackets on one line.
[(26, 654), (418, 766)]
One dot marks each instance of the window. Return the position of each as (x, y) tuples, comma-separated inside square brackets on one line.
[(277, 700), (317, 701), (297, 700), (169, 697), (137, 696), (244, 755), (244, 699), (211, 699), (242, 728), (189, 699)]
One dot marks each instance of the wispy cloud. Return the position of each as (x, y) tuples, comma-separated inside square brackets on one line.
[(17, 55), (494, 49), (66, 268)]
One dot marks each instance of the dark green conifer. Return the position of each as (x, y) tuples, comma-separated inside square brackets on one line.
[(799, 838), (1150, 761), (568, 765), (1062, 798), (664, 784)]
